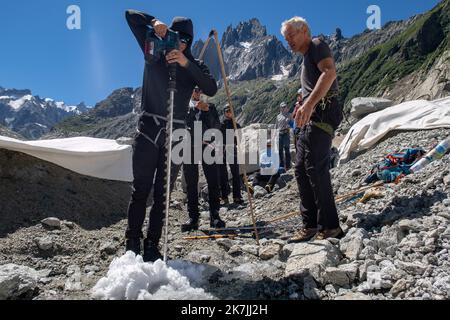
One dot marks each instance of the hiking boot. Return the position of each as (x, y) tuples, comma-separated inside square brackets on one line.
[(330, 234), (151, 252), (216, 222), (190, 225), (238, 201), (269, 188), (133, 245), (303, 235)]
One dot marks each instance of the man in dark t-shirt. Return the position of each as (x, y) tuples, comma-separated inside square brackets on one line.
[(318, 118)]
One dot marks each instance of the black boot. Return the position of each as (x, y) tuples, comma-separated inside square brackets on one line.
[(190, 225), (151, 252), (134, 245), (216, 222)]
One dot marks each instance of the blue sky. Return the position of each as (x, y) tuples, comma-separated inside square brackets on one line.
[(38, 52)]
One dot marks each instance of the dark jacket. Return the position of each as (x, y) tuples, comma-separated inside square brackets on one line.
[(227, 124), (155, 93), (209, 120)]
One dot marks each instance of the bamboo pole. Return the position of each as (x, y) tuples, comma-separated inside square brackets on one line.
[(227, 90)]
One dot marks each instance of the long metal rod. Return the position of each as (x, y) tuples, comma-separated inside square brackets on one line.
[(227, 90), (169, 141)]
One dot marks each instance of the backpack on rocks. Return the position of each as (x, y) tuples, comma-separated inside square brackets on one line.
[(395, 165)]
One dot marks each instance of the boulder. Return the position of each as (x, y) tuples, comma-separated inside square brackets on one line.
[(17, 282), (352, 244), (341, 276), (364, 106), (52, 223), (312, 258), (270, 251)]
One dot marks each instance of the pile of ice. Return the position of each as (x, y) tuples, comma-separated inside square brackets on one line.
[(129, 278)]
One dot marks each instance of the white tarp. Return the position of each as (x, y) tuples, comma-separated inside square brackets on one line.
[(412, 115), (99, 158)]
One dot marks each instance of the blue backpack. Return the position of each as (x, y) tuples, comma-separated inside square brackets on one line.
[(395, 166)]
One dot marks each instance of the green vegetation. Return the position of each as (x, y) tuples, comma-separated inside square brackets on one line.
[(416, 49)]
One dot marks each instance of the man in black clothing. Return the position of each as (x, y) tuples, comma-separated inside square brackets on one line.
[(205, 115), (149, 151), (318, 118), (227, 124)]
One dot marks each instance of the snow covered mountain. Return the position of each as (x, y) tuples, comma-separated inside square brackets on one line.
[(250, 53), (32, 116)]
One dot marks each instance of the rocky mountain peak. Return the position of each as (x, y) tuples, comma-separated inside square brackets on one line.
[(245, 31)]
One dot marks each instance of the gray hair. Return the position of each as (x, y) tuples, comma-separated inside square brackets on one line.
[(297, 22)]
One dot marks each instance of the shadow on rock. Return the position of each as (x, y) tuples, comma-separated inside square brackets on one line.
[(400, 208), (32, 190)]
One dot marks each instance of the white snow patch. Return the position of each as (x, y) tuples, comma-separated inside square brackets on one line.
[(246, 45), (129, 278), (41, 125), (5, 97), (284, 74), (62, 105), (17, 104)]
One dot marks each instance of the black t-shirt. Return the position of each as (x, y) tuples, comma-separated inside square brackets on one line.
[(318, 51)]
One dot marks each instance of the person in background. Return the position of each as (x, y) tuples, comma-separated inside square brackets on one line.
[(269, 171), (227, 124), (283, 124), (206, 115), (298, 105)]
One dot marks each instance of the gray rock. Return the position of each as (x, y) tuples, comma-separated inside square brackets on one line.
[(251, 249), (17, 282), (109, 248), (364, 106), (52, 223), (447, 180), (409, 225), (313, 258), (352, 244), (353, 296), (414, 268), (342, 275), (225, 243), (44, 243), (235, 250), (270, 251), (260, 192), (310, 290), (400, 286), (286, 251)]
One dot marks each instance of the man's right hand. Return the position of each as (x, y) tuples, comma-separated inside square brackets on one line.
[(160, 28)]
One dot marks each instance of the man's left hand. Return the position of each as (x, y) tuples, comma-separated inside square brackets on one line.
[(176, 56), (304, 114)]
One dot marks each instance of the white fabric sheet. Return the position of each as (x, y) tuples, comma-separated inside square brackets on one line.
[(99, 158)]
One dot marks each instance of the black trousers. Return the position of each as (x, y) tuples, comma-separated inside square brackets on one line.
[(263, 181), (191, 174), (149, 166), (235, 173), (318, 206), (285, 150)]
